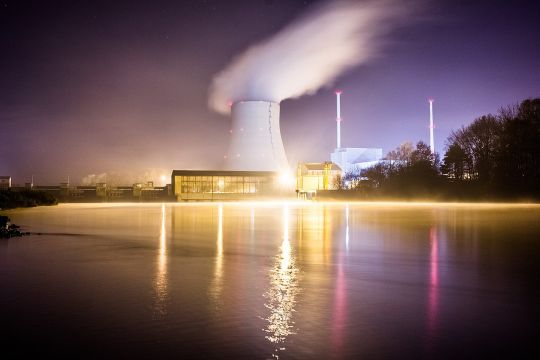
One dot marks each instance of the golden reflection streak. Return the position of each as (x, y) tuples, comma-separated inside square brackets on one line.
[(252, 229), (161, 278), (216, 287), (327, 235), (281, 296), (347, 227)]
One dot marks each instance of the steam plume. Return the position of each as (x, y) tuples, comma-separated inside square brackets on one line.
[(309, 53)]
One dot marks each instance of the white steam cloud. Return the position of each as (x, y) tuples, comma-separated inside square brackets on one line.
[(309, 53)]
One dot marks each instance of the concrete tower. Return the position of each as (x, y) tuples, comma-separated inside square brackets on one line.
[(256, 143)]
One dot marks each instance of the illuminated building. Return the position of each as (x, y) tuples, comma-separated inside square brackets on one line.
[(209, 185), (311, 177), (352, 160)]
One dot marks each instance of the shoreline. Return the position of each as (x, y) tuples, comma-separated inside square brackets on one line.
[(307, 203)]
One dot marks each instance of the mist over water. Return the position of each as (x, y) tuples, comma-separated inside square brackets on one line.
[(309, 53)]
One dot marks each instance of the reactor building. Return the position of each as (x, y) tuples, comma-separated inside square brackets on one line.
[(352, 160)]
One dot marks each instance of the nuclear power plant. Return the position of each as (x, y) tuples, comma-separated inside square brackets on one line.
[(256, 164), (254, 167), (301, 58)]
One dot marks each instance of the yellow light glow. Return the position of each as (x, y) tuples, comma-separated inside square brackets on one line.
[(216, 285), (286, 179), (314, 204), (163, 236), (161, 279)]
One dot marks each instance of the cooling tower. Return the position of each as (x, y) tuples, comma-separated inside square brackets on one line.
[(256, 143)]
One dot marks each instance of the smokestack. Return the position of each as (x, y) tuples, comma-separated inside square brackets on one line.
[(256, 143), (338, 118), (431, 141)]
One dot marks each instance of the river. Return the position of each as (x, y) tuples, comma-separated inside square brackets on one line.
[(272, 280)]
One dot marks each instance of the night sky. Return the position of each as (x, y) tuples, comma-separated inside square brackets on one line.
[(88, 87)]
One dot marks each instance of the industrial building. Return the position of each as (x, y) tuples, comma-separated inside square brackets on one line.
[(101, 192), (227, 185), (352, 160), (312, 177)]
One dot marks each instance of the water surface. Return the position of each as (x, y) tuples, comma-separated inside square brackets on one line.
[(272, 280)]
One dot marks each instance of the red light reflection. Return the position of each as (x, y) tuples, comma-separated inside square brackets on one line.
[(433, 292)]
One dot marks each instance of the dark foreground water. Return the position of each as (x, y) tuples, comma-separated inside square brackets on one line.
[(257, 281)]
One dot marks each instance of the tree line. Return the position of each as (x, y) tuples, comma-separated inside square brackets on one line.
[(26, 198), (497, 156)]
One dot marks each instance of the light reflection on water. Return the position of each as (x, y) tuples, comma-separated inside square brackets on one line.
[(289, 280), (161, 280), (339, 317), (216, 286), (281, 296), (433, 292)]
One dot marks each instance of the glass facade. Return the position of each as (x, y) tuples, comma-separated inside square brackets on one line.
[(222, 186)]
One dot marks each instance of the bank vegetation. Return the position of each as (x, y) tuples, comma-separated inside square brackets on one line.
[(496, 157), (27, 198)]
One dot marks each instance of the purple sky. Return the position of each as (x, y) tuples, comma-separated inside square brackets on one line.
[(92, 87)]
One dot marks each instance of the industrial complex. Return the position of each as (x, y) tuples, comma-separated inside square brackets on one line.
[(255, 167)]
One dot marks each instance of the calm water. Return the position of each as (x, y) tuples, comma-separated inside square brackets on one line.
[(259, 281)]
